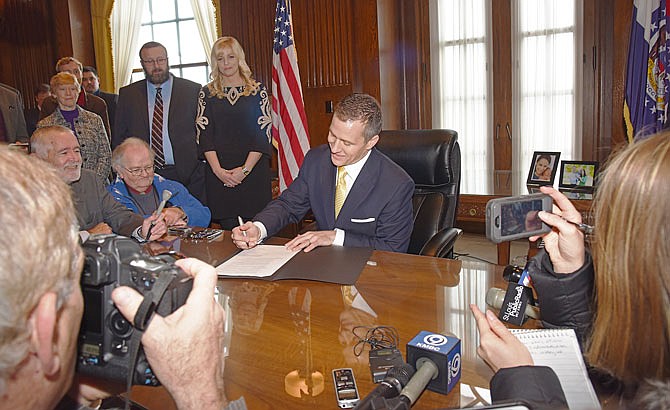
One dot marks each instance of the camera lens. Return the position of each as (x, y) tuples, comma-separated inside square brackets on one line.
[(119, 325)]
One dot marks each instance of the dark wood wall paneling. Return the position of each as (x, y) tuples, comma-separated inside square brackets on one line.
[(404, 53), (502, 97), (617, 33), (35, 33), (81, 29), (27, 44), (336, 43), (591, 86), (322, 31), (343, 46)]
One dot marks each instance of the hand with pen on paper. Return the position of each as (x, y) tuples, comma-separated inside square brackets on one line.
[(158, 218), (153, 227)]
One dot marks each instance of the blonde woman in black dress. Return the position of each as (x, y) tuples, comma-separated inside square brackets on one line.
[(234, 132)]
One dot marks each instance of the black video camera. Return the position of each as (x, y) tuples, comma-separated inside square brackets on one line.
[(106, 343)]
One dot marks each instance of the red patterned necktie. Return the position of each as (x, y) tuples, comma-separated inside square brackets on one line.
[(157, 130)]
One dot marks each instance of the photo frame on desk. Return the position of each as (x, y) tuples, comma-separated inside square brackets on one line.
[(578, 175), (543, 168)]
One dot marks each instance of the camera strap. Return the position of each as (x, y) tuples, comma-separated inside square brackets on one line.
[(142, 319)]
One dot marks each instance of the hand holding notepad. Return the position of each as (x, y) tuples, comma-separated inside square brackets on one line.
[(559, 350)]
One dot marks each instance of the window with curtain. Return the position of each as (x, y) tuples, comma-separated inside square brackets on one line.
[(546, 103), (460, 83), (535, 61), (172, 23)]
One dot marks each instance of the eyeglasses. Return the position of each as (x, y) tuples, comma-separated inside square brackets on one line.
[(139, 171), (159, 61)]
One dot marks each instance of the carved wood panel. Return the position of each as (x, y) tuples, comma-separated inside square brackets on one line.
[(336, 43)]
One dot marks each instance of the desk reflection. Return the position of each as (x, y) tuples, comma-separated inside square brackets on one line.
[(285, 337)]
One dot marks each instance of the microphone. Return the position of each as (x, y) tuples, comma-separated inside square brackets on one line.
[(495, 298), (437, 359), (426, 371), (396, 378), (165, 195)]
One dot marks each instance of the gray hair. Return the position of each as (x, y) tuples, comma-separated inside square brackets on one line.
[(129, 143), (40, 253), (40, 141)]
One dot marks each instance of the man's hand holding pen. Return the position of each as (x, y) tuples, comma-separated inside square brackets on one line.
[(153, 227), (246, 236)]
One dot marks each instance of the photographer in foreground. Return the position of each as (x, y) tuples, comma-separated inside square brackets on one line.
[(617, 302), (41, 304)]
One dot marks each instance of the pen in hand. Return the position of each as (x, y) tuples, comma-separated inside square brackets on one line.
[(165, 196), (587, 229), (241, 222)]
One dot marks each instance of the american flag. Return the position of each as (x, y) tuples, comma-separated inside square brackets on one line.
[(289, 122)]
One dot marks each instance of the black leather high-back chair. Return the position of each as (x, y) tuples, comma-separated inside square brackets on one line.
[(433, 159)]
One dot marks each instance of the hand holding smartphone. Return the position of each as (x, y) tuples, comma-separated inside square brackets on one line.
[(512, 218)]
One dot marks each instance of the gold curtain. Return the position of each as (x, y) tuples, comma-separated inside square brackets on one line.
[(101, 12), (217, 18)]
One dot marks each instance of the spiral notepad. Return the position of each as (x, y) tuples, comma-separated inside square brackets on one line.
[(559, 349)]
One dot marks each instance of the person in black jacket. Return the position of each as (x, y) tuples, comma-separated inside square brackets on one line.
[(91, 83), (617, 301)]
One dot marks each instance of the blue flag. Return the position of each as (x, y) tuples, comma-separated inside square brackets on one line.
[(646, 99)]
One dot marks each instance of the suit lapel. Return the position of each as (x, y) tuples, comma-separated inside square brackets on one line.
[(144, 107), (328, 182), (363, 185), (174, 96)]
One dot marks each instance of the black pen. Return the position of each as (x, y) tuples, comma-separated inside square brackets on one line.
[(151, 226), (166, 195)]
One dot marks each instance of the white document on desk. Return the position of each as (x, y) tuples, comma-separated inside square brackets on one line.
[(260, 262), (559, 349)]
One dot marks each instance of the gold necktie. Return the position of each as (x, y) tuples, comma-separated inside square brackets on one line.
[(340, 190)]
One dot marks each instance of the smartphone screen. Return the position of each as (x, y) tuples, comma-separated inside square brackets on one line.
[(516, 217), (345, 388)]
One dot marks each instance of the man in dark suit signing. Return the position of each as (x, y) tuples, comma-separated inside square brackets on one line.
[(161, 110), (358, 196)]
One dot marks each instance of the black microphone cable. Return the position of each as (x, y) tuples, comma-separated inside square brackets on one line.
[(394, 382), (378, 337)]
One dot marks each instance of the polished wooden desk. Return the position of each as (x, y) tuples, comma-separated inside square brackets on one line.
[(283, 338)]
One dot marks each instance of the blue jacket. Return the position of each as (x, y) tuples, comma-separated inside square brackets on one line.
[(198, 214)]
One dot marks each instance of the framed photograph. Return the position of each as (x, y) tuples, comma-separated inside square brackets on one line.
[(578, 175), (543, 168)]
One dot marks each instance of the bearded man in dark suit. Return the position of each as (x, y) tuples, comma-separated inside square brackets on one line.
[(174, 142)]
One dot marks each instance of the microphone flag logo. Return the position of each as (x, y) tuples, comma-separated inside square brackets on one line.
[(435, 340)]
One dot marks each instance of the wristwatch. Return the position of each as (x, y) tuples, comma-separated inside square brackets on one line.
[(245, 171)]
